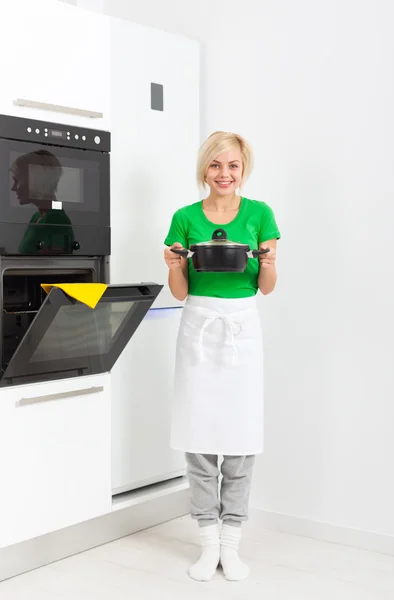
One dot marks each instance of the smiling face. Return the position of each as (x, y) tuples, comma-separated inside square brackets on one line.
[(224, 174)]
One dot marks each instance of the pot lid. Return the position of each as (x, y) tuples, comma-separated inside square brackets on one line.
[(219, 238)]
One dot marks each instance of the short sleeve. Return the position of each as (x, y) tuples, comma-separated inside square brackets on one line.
[(269, 229), (177, 232)]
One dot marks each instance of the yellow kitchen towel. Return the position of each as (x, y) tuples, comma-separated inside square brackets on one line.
[(87, 293)]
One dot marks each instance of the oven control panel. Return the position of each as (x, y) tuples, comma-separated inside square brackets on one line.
[(28, 130), (62, 134)]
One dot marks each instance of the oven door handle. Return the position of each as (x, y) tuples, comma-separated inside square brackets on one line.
[(59, 396)]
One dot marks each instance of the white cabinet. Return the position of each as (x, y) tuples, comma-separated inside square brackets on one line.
[(54, 53), (141, 415), (55, 448), (153, 165)]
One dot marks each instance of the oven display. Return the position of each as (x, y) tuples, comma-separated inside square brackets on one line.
[(57, 134)]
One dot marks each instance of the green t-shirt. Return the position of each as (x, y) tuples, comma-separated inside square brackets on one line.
[(254, 224)]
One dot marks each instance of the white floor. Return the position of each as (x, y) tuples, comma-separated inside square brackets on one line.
[(153, 565)]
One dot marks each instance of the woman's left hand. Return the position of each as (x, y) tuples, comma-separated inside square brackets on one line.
[(267, 260)]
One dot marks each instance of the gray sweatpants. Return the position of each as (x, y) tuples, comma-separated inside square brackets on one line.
[(231, 503)]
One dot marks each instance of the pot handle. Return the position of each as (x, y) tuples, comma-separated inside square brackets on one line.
[(183, 253), (257, 253), (218, 235)]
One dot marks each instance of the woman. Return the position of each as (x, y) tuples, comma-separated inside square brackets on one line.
[(218, 407)]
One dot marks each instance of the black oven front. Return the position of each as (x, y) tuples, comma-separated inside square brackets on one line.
[(54, 189)]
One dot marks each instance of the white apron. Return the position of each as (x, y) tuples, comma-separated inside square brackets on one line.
[(218, 395)]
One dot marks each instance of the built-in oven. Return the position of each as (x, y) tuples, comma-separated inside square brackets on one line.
[(54, 336), (54, 189), (55, 229)]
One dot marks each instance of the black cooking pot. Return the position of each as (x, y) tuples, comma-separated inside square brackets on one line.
[(220, 255)]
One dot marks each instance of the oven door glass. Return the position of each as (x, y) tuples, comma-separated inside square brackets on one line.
[(48, 184), (69, 339)]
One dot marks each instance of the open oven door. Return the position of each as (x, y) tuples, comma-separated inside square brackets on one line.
[(69, 339)]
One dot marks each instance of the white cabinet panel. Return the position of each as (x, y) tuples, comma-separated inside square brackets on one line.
[(141, 412), (54, 53), (55, 444)]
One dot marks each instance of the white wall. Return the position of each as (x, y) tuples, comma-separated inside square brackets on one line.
[(310, 83), (325, 137)]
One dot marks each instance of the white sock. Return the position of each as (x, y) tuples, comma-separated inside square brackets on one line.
[(205, 568), (233, 567)]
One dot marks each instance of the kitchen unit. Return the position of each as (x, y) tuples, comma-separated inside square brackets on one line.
[(57, 473), (57, 58), (73, 442), (55, 229)]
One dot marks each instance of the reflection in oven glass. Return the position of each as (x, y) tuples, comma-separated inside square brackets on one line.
[(36, 179), (78, 331)]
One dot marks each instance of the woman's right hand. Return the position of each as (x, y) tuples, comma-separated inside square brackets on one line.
[(173, 261)]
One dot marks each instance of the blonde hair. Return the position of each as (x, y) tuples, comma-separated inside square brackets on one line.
[(218, 143)]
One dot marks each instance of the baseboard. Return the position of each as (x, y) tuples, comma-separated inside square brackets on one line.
[(141, 485), (156, 505), (133, 513), (365, 540)]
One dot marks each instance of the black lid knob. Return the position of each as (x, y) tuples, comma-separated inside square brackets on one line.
[(219, 235)]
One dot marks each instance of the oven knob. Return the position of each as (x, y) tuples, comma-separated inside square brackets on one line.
[(76, 245), (40, 245), (97, 139), (29, 130)]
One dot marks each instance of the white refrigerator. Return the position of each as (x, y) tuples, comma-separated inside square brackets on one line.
[(155, 137)]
